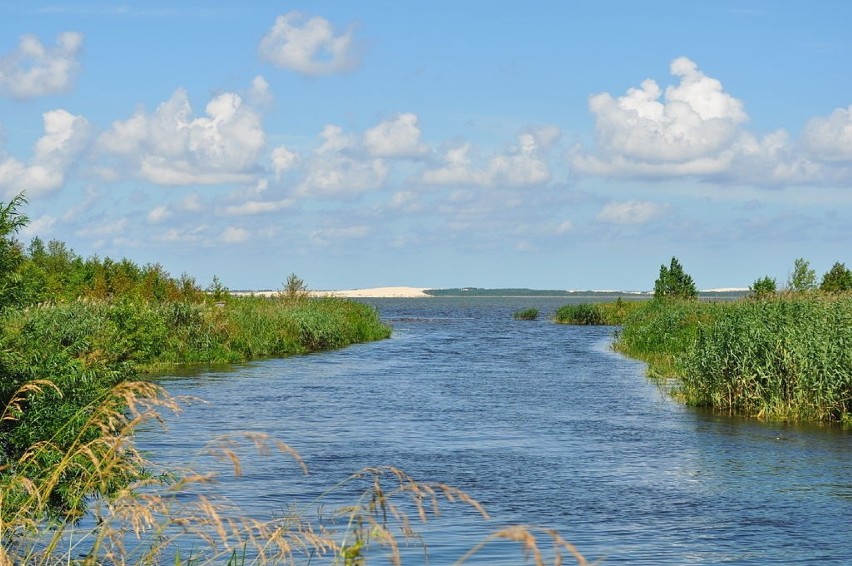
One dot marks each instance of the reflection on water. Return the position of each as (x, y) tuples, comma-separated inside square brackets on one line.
[(540, 422)]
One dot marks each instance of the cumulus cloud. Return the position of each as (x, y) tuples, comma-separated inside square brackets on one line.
[(829, 138), (631, 212), (158, 214), (336, 169), (396, 137), (252, 207), (36, 70), (308, 46), (65, 137), (519, 166), (685, 130), (171, 147)]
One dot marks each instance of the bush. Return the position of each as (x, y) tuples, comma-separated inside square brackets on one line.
[(582, 314), (674, 283), (838, 279)]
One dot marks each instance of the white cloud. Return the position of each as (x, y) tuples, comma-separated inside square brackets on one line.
[(170, 147), (829, 138), (631, 212), (308, 46), (233, 235), (396, 137), (687, 133), (517, 167), (334, 168), (65, 137), (100, 230), (283, 160), (35, 70)]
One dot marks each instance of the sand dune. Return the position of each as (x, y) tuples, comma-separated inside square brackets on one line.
[(391, 292)]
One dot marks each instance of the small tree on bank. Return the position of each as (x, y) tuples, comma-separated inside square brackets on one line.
[(674, 283), (837, 279), (763, 288), (802, 278), (294, 288)]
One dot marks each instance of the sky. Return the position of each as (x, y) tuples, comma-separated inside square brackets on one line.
[(540, 144)]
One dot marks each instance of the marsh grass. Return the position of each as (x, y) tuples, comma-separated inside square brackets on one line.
[(172, 517), (526, 314), (783, 358), (612, 313)]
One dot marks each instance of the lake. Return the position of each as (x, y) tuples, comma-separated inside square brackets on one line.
[(543, 424)]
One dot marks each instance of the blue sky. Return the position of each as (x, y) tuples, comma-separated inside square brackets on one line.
[(564, 145)]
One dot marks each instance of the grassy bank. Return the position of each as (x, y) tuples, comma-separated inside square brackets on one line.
[(787, 357), (612, 313)]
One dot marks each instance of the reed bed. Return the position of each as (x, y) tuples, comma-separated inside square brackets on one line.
[(788, 357), (612, 313), (526, 314), (784, 358)]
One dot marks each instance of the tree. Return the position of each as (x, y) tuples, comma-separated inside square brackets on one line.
[(837, 279), (763, 288), (674, 283), (294, 288), (802, 278), (11, 251)]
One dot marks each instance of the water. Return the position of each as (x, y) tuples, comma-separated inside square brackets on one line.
[(540, 422)]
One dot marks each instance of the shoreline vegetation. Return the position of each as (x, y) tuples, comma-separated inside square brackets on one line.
[(771, 355)]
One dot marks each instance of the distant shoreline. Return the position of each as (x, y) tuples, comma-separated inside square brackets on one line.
[(427, 292)]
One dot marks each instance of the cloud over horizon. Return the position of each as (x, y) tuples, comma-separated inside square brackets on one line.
[(34, 70)]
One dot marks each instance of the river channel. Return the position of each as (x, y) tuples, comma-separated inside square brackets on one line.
[(540, 422)]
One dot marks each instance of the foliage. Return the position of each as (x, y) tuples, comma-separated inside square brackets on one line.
[(802, 278), (581, 314), (611, 313), (763, 288), (674, 283), (11, 255), (837, 279), (294, 289), (526, 314), (784, 359)]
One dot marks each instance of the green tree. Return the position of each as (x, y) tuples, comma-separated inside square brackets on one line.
[(674, 283), (837, 279), (294, 288), (763, 288), (11, 251), (802, 278)]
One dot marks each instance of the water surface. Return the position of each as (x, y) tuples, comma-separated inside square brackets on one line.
[(540, 422)]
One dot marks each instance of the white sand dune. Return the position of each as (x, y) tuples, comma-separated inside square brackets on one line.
[(377, 292)]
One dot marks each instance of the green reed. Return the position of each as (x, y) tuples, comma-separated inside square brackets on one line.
[(784, 358), (612, 313), (788, 357), (526, 314)]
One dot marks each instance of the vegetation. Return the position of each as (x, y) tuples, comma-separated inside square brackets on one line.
[(802, 278), (526, 314), (777, 356), (763, 288), (838, 279), (674, 283), (609, 313)]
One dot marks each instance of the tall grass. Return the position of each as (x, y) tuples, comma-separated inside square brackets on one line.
[(612, 313), (85, 348), (788, 357)]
